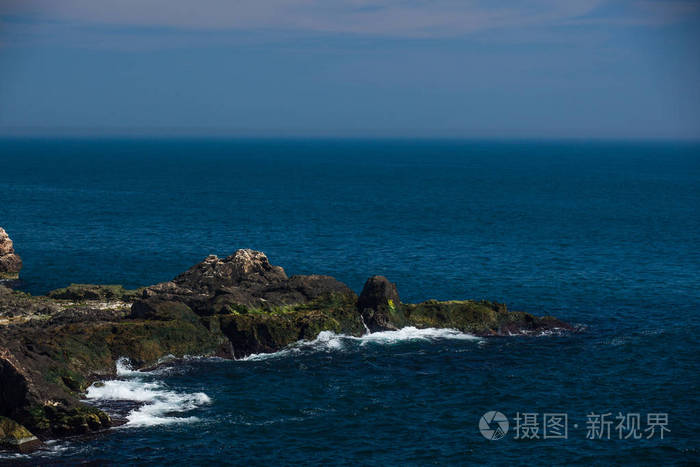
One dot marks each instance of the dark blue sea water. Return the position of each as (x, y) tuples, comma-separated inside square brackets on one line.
[(604, 235)]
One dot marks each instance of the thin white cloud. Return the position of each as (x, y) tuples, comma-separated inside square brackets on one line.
[(412, 18)]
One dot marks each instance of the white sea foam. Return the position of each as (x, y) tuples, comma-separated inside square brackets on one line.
[(124, 368), (157, 401), (328, 341), (411, 333), (160, 405)]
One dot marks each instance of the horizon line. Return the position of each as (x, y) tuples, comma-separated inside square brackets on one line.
[(180, 133)]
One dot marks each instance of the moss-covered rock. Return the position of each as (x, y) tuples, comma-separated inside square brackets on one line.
[(16, 437), (482, 318), (83, 349), (59, 419), (56, 361), (257, 331)]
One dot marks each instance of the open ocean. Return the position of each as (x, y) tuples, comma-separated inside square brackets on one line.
[(603, 235)]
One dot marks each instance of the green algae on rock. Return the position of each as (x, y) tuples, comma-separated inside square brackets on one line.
[(256, 331), (15, 437)]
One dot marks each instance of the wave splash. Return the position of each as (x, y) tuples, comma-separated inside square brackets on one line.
[(159, 405), (157, 401), (328, 341)]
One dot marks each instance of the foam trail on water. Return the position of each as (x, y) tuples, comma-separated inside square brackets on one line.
[(328, 341), (157, 400)]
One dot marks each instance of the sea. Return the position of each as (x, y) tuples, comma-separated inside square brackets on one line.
[(602, 234)]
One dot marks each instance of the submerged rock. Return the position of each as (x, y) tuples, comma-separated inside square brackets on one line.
[(10, 262)]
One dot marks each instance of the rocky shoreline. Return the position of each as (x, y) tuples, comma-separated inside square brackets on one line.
[(53, 347)]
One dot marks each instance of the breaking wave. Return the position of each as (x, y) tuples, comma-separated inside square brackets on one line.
[(157, 403), (328, 341)]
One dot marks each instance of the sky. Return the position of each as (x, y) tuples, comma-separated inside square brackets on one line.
[(592, 69)]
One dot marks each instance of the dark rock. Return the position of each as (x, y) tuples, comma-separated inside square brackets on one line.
[(380, 305), (519, 323), (162, 310), (18, 304), (81, 292), (481, 318), (244, 279), (10, 262), (14, 383), (302, 289), (244, 266), (254, 331), (14, 436)]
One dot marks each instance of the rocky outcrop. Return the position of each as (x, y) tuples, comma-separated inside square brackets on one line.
[(247, 268), (15, 437), (481, 318), (254, 331), (243, 281), (48, 361), (52, 348), (380, 305), (10, 262)]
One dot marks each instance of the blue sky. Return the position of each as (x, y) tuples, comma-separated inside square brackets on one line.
[(393, 68)]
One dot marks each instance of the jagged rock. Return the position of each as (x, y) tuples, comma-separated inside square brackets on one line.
[(244, 279), (10, 262), (380, 305), (15, 437), (6, 246), (243, 266)]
